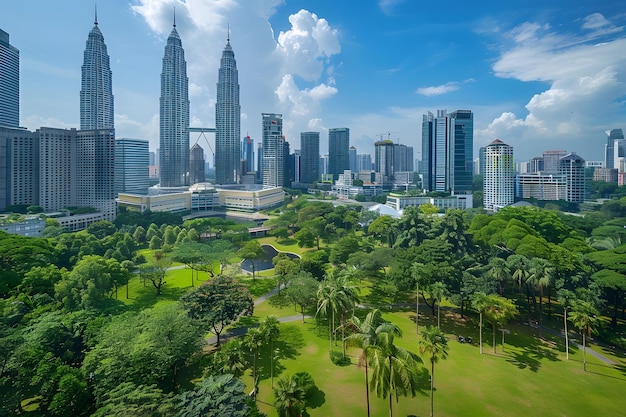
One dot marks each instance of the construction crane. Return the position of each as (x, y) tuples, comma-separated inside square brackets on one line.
[(388, 133)]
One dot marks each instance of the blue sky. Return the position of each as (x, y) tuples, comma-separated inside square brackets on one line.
[(538, 75)]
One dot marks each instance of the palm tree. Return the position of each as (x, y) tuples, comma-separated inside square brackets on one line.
[(566, 298), (499, 310), (435, 345), (417, 271), (289, 396), (499, 271), (335, 296), (518, 266), (541, 274), (363, 334), (253, 340), (437, 292), (270, 328), (479, 302), (394, 369), (585, 317), (230, 359)]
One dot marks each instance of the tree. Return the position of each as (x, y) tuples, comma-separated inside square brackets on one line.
[(394, 369), (480, 303), (101, 228), (437, 292), (216, 303), (253, 340), (541, 275), (346, 246), (499, 310), (289, 397), (229, 359), (251, 251), (518, 265), (335, 296), (305, 238), (302, 291), (584, 316), (270, 328), (140, 234), (130, 400), (218, 396), (435, 345), (87, 286), (155, 243), (363, 333), (384, 228), (155, 272), (499, 271), (566, 298)]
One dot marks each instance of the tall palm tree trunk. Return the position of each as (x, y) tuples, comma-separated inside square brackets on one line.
[(584, 352), (367, 388), (390, 387), (480, 335), (540, 312), (432, 388), (494, 337), (566, 337), (417, 308)]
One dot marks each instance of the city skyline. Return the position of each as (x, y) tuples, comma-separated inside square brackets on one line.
[(503, 62)]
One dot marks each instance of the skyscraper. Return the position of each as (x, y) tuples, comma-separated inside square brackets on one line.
[(196, 165), (499, 177), (9, 83), (447, 151), (338, 147), (383, 158), (248, 153), (132, 169), (352, 158), (273, 162), (96, 92), (227, 120), (572, 167), (174, 112), (612, 136), (310, 159)]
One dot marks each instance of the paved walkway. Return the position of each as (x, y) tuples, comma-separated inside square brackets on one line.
[(573, 342)]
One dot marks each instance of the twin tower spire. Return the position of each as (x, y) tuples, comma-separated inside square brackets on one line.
[(97, 109)]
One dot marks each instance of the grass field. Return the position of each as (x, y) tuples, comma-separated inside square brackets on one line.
[(526, 377)]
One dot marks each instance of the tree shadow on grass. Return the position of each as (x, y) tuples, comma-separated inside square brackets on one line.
[(316, 399), (528, 351), (287, 346), (146, 297)]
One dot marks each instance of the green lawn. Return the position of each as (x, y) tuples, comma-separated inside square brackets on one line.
[(529, 377)]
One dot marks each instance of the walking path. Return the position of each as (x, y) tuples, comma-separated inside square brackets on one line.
[(561, 334)]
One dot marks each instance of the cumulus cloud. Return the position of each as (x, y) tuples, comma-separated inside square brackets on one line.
[(291, 73), (586, 84), (438, 89)]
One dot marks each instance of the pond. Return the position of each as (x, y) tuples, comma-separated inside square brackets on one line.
[(266, 261)]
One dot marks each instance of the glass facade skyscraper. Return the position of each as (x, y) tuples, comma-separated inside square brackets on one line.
[(338, 151), (132, 158), (310, 157), (227, 121), (273, 162), (174, 112), (96, 92), (612, 136), (447, 151), (9, 83)]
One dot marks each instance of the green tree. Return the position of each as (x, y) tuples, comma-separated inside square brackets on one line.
[(500, 272), (302, 291), (394, 369), (289, 397), (480, 303), (270, 329), (541, 276), (566, 298), (218, 302), (155, 243), (498, 312), (230, 359), (335, 296), (218, 396), (87, 286), (130, 400), (434, 344), (346, 246), (584, 316), (140, 235), (253, 340), (363, 333), (101, 228), (155, 272), (251, 251), (384, 228)]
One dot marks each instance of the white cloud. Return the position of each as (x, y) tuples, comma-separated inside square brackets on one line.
[(387, 6), (587, 86), (439, 89)]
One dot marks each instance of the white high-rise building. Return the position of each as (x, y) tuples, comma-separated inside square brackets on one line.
[(174, 116), (9, 83), (273, 162), (499, 177), (96, 93), (227, 121)]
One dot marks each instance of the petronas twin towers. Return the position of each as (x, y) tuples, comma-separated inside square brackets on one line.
[(96, 108), (174, 125)]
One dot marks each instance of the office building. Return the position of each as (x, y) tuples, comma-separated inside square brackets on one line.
[(273, 162), (174, 116), (363, 162), (96, 92), (227, 120), (612, 136), (447, 151), (9, 83), (19, 165), (338, 147), (572, 167), (248, 153), (289, 165), (499, 177), (551, 161), (384, 158), (310, 157), (132, 166), (352, 158), (196, 165)]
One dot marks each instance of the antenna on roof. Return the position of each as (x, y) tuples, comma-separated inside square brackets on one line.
[(95, 19), (174, 16)]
